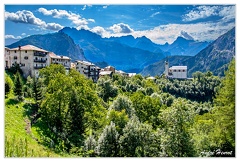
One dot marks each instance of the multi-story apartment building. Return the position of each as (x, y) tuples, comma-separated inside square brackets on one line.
[(64, 60), (89, 69), (31, 59)]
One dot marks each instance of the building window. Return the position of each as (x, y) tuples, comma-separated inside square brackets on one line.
[(26, 58), (15, 51), (183, 70), (15, 58), (25, 51), (174, 70), (179, 70)]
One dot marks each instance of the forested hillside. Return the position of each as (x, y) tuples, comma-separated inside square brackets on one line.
[(123, 116)]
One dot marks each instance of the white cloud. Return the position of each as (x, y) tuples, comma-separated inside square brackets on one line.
[(53, 26), (228, 13), (28, 17), (200, 31), (12, 37), (23, 34), (84, 7), (201, 12), (154, 14), (91, 20), (82, 27), (169, 33), (75, 18), (121, 28), (104, 7), (101, 31)]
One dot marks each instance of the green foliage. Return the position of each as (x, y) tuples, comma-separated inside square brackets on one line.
[(224, 113), (125, 116), (8, 84), (18, 86), (146, 108), (90, 143), (106, 89), (177, 120), (71, 107), (215, 130), (201, 88), (50, 72), (136, 139), (120, 118), (123, 103), (15, 68), (108, 143)]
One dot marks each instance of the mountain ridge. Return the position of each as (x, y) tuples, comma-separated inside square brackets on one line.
[(59, 43)]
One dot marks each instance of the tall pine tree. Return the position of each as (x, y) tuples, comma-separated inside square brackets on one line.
[(18, 86)]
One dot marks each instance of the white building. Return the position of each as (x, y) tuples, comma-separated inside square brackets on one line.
[(31, 58), (178, 72), (90, 70), (64, 60)]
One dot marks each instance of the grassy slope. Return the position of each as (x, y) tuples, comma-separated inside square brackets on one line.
[(16, 135)]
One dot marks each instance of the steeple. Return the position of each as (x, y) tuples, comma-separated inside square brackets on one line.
[(166, 68)]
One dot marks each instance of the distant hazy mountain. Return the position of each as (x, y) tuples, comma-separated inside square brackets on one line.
[(215, 58), (142, 43), (124, 56), (59, 43), (184, 47)]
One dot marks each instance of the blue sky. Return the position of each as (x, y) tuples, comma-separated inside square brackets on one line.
[(160, 23)]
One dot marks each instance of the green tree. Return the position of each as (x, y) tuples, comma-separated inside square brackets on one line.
[(120, 118), (18, 86), (224, 112), (90, 145), (50, 72), (123, 103), (106, 89), (108, 145), (147, 108), (71, 108), (136, 139), (177, 121), (8, 84)]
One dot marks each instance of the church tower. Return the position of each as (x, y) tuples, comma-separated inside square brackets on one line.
[(166, 68)]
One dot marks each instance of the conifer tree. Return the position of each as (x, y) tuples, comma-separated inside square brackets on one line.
[(18, 86)]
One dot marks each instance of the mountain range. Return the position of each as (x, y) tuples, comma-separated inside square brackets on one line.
[(215, 58), (139, 55)]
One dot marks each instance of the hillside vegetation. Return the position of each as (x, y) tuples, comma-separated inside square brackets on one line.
[(62, 114)]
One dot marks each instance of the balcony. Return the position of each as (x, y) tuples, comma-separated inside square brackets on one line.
[(39, 67), (40, 60), (41, 54)]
